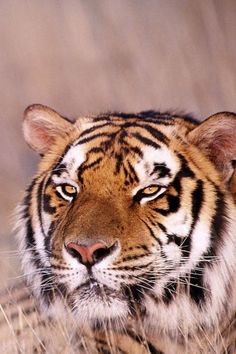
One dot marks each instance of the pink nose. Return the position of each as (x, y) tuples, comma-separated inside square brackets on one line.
[(88, 254)]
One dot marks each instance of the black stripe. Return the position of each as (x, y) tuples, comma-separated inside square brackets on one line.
[(196, 285), (134, 294), (196, 290), (174, 203), (169, 291), (47, 291), (152, 233), (161, 169), (176, 182), (30, 241), (157, 134), (46, 204), (103, 347), (106, 144), (163, 212), (185, 170), (133, 268), (145, 140), (143, 247), (179, 241), (133, 176), (31, 245), (136, 150), (119, 160), (219, 223), (47, 241), (160, 121), (94, 128), (123, 134), (43, 202), (162, 227), (95, 150), (141, 340), (102, 117), (132, 258), (197, 201), (58, 164), (218, 227), (29, 237), (84, 168), (61, 167), (165, 118), (39, 204), (93, 137), (195, 281), (27, 199)]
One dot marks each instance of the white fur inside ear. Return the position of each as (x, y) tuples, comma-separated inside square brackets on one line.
[(41, 126)]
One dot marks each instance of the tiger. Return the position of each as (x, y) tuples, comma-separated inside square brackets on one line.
[(127, 233)]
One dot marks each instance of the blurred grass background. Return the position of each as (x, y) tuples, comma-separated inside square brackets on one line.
[(89, 56)]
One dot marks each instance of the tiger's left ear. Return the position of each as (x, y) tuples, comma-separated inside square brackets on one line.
[(216, 138), (42, 126)]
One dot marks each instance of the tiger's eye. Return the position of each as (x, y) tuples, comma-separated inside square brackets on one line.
[(68, 189), (150, 190)]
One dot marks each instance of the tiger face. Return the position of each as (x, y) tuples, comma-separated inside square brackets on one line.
[(125, 213)]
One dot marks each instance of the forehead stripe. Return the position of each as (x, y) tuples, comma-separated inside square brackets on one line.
[(98, 135), (133, 173), (92, 129), (154, 132), (59, 162), (83, 167), (146, 141)]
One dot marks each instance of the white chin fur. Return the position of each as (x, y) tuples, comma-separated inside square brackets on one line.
[(100, 310), (88, 309)]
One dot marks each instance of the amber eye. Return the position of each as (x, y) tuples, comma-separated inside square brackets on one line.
[(150, 190), (67, 191), (148, 193)]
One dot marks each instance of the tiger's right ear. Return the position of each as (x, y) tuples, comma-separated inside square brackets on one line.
[(42, 125)]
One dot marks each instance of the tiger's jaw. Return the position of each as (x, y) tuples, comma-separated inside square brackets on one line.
[(91, 303), (95, 303)]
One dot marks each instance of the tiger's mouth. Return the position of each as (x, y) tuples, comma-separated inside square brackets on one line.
[(92, 288), (93, 301)]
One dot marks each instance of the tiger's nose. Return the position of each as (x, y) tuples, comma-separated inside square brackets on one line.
[(90, 254)]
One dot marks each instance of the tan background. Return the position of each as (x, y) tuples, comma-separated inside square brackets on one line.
[(83, 56)]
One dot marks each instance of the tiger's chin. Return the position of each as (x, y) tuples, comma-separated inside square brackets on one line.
[(91, 304), (97, 303)]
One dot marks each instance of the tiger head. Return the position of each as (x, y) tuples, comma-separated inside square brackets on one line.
[(123, 207)]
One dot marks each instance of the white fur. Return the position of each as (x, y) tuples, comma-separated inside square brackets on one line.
[(74, 158)]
